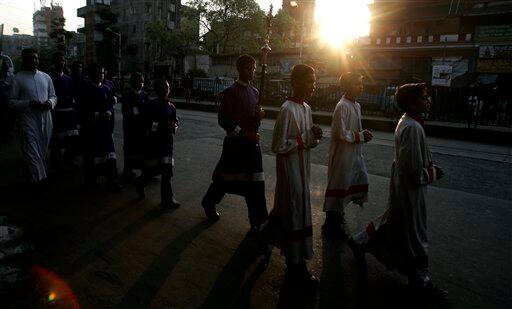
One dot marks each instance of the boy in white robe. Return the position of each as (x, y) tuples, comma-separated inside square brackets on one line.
[(32, 95), (290, 223), (347, 179), (398, 239)]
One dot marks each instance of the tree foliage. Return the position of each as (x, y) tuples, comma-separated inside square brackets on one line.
[(60, 35), (283, 29), (237, 26), (230, 25)]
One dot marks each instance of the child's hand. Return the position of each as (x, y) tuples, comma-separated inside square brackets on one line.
[(254, 137), (439, 172), (107, 115), (317, 131), (368, 136)]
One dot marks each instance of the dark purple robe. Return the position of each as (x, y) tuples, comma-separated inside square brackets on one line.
[(65, 122)]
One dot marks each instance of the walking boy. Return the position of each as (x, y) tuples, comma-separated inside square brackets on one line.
[(240, 168), (160, 124), (290, 224), (399, 240), (347, 176), (134, 102)]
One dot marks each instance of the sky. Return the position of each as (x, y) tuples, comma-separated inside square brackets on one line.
[(18, 13)]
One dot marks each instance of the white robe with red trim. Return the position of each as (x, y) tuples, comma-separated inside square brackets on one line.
[(347, 178), (404, 224), (290, 223)]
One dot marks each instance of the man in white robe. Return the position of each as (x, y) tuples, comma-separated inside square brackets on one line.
[(290, 224), (398, 239), (347, 179), (32, 95)]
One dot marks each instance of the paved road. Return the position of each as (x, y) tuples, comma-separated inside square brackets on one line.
[(117, 252)]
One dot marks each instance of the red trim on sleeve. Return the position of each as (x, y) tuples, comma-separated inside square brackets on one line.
[(370, 229), (431, 174), (300, 143), (357, 138)]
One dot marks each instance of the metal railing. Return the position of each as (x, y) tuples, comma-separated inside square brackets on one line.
[(447, 104)]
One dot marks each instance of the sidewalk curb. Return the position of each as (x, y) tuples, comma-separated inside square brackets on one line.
[(482, 135)]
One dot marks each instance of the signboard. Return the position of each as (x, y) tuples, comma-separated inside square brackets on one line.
[(494, 66), (493, 33), (495, 51), (460, 66), (286, 65), (442, 75)]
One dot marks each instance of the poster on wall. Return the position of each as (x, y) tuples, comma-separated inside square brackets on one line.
[(442, 75)]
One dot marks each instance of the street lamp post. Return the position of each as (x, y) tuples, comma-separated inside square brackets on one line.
[(118, 53)]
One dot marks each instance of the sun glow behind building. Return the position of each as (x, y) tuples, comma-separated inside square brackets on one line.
[(341, 21)]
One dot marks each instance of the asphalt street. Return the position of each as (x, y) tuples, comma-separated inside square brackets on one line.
[(117, 252)]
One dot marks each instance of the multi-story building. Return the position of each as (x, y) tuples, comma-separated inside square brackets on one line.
[(93, 14), (445, 42), (139, 52), (43, 22), (12, 45)]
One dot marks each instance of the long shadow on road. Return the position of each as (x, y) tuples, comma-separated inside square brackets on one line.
[(233, 286), (144, 290)]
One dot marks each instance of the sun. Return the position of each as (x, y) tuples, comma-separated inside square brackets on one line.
[(341, 21)]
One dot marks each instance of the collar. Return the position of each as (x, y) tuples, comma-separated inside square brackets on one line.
[(242, 83), (420, 119), (347, 99), (296, 100)]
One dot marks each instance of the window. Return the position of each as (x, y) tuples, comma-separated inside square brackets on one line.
[(430, 38), (419, 39), (134, 29), (388, 40), (468, 37), (148, 8), (378, 41), (398, 40), (172, 7), (409, 39)]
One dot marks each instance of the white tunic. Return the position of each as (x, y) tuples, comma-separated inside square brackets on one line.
[(290, 224), (404, 224), (347, 178), (35, 124)]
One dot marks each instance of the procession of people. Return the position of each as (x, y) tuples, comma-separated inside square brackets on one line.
[(73, 115)]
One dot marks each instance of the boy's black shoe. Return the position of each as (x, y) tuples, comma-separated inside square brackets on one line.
[(171, 204), (299, 275), (264, 247), (140, 189), (358, 250), (429, 293), (210, 211)]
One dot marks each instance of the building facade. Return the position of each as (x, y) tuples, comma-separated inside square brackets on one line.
[(139, 52), (43, 22), (94, 17), (444, 42), (12, 45)]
